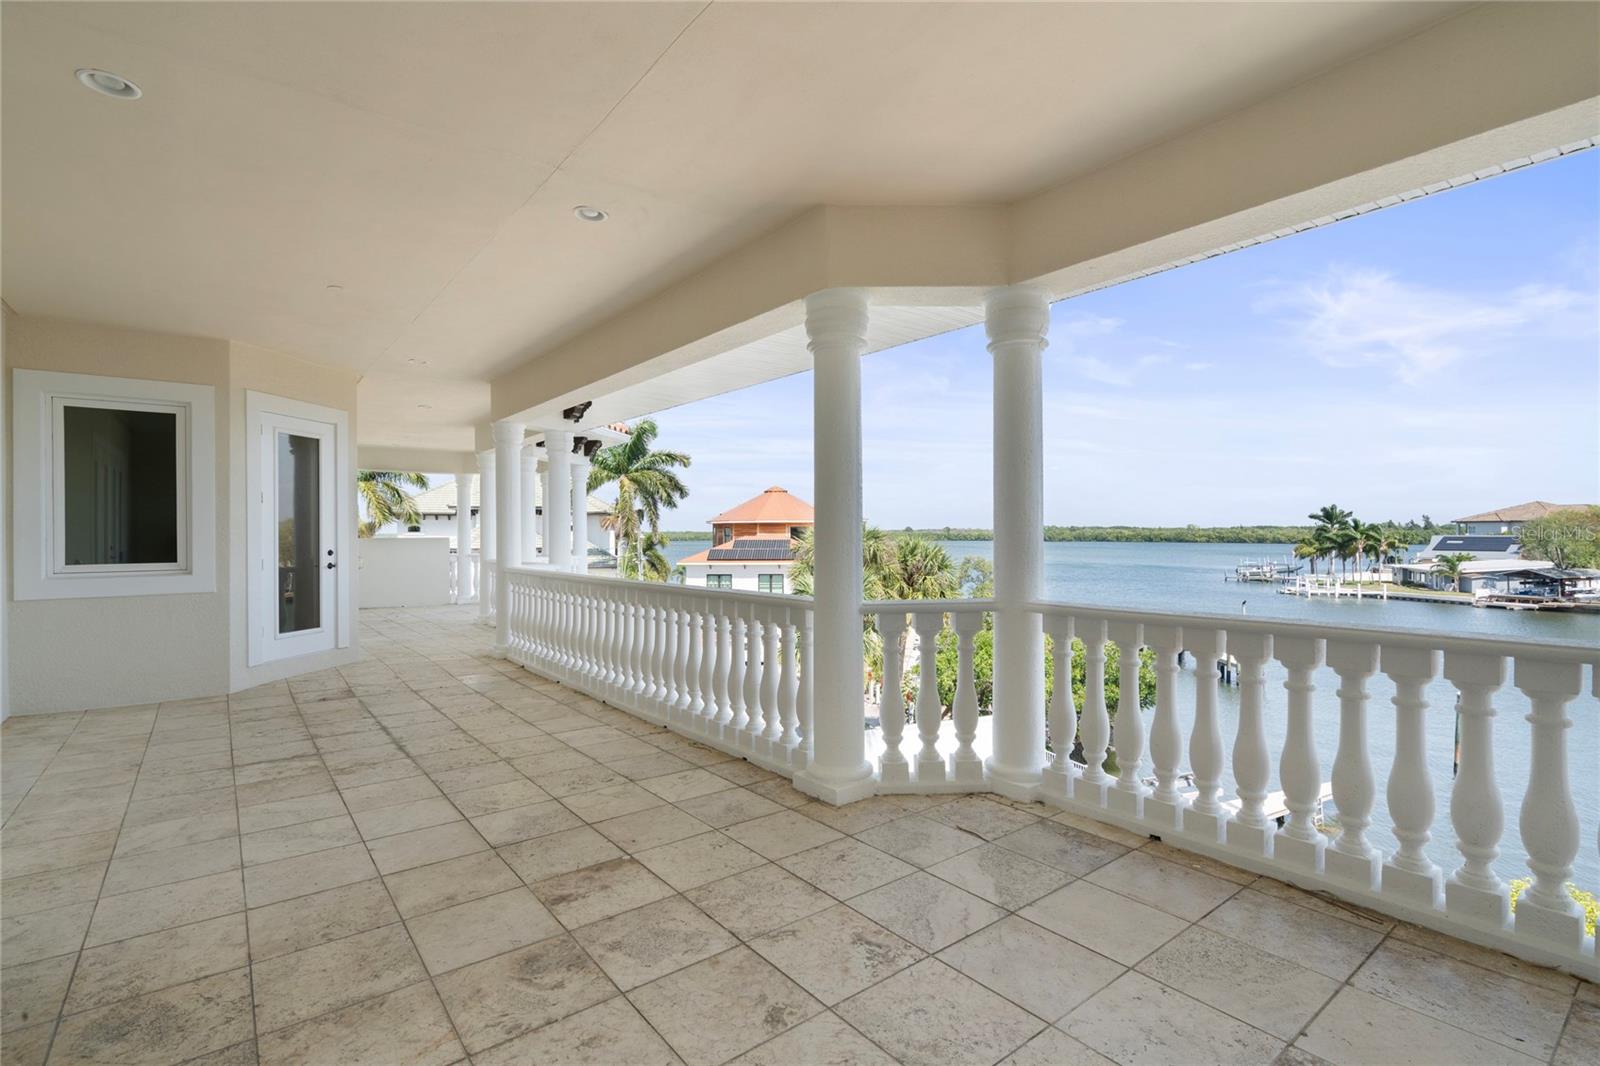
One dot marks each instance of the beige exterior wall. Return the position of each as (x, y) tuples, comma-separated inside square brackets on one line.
[(151, 648)]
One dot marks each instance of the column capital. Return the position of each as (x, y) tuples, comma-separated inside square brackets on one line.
[(508, 432), (1017, 314), (836, 316)]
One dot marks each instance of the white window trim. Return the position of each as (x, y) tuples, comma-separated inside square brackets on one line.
[(37, 472)]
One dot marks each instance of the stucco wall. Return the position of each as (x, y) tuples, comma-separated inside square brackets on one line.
[(117, 651)]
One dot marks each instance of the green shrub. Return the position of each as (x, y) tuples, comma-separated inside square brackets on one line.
[(1587, 900)]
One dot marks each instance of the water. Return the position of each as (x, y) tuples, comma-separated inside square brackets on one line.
[(1188, 578)]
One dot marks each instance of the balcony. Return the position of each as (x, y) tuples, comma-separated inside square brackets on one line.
[(434, 853)]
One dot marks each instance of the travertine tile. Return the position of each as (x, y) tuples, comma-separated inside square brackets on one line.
[(32, 992), (305, 921), (608, 1034), (981, 816), (1139, 1021), (496, 999), (836, 953), (1073, 850), (758, 900), (172, 1025), (305, 874), (927, 911), (1031, 966), (1055, 1048), (504, 795), (612, 801), (280, 813), (1328, 945), (697, 860), (820, 1041), (1580, 1041), (690, 1008), (686, 784), (151, 909), (918, 840), (1358, 1028), (599, 891), (1001, 876), (472, 931), (640, 945), (148, 963), (778, 835), (32, 858), (525, 823), (651, 828), (28, 1047), (404, 817), (443, 884), (408, 1025), (315, 980), (50, 889), (1268, 992), (558, 853), (931, 1015), (1102, 921), (422, 846), (722, 809), (853, 817), (1163, 885)]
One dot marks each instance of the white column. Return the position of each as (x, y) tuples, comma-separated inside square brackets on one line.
[(836, 322), (1409, 874), (529, 498), (1351, 857), (542, 487), (1475, 890), (463, 534), (1017, 319), (485, 532), (1299, 768), (508, 521), (1549, 819), (580, 513), (558, 502)]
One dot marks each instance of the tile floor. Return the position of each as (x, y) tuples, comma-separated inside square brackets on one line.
[(433, 856)]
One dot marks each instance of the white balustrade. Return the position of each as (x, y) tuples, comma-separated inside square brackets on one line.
[(487, 605), (733, 670), (464, 578)]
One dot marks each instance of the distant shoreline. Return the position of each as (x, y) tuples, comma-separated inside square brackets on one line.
[(1133, 534)]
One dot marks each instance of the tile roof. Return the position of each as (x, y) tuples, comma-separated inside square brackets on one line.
[(773, 505), (1524, 512)]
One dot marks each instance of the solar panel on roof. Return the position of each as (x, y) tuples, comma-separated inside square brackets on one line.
[(751, 549)]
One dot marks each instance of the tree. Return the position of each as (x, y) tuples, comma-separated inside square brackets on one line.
[(1392, 545), (651, 554), (1565, 538), (1450, 566), (1307, 547), (1366, 537), (646, 483), (384, 499), (975, 576)]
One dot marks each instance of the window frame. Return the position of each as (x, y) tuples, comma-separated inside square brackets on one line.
[(40, 570), (722, 581), (767, 579)]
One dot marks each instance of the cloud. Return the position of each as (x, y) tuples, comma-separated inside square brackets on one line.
[(1197, 366), (1354, 318)]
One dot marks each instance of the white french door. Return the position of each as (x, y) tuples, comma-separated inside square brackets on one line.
[(297, 603)]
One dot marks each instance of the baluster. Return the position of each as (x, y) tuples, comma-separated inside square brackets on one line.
[(1549, 820), (1351, 858), (1249, 829), (754, 725), (591, 627), (895, 770), (1298, 842), (802, 757), (1475, 890), (769, 684), (615, 644), (1095, 726), (647, 649), (710, 705), (1062, 714), (668, 698), (966, 766), (930, 764), (1127, 795), (1409, 873), (1165, 804), (724, 666), (694, 704), (681, 668), (736, 672), (787, 703)]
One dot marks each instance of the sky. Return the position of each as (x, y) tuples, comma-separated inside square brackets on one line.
[(1440, 357)]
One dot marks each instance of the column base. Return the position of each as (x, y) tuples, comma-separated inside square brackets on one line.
[(1489, 906), (837, 790), (1303, 854), (967, 771), (1357, 871), (1426, 889), (1055, 784), (501, 651), (930, 771), (1204, 825), (895, 773), (1558, 930)]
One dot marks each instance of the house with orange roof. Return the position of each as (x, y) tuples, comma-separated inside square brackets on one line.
[(752, 545)]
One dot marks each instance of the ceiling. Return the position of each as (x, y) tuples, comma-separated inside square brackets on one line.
[(425, 158)]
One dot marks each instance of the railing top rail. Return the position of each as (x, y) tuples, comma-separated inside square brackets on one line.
[(658, 588), (1531, 649), (926, 606)]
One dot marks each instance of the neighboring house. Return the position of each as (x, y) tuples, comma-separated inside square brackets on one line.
[(1511, 519), (752, 545), (438, 509)]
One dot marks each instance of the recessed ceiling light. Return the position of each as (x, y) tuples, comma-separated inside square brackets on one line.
[(103, 81), (424, 406), (589, 214), (335, 288)]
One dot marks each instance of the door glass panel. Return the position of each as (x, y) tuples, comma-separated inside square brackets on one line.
[(121, 486), (299, 533)]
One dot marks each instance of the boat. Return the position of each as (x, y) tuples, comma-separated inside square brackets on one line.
[(1265, 570)]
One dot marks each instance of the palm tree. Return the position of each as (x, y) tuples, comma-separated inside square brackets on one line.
[(1329, 521), (920, 569), (877, 558), (1308, 548), (385, 499), (1392, 545), (652, 554), (1450, 566), (1366, 538), (645, 483), (1330, 517)]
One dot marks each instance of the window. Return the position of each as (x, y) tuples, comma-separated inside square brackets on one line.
[(719, 581), (115, 486), (769, 583)]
